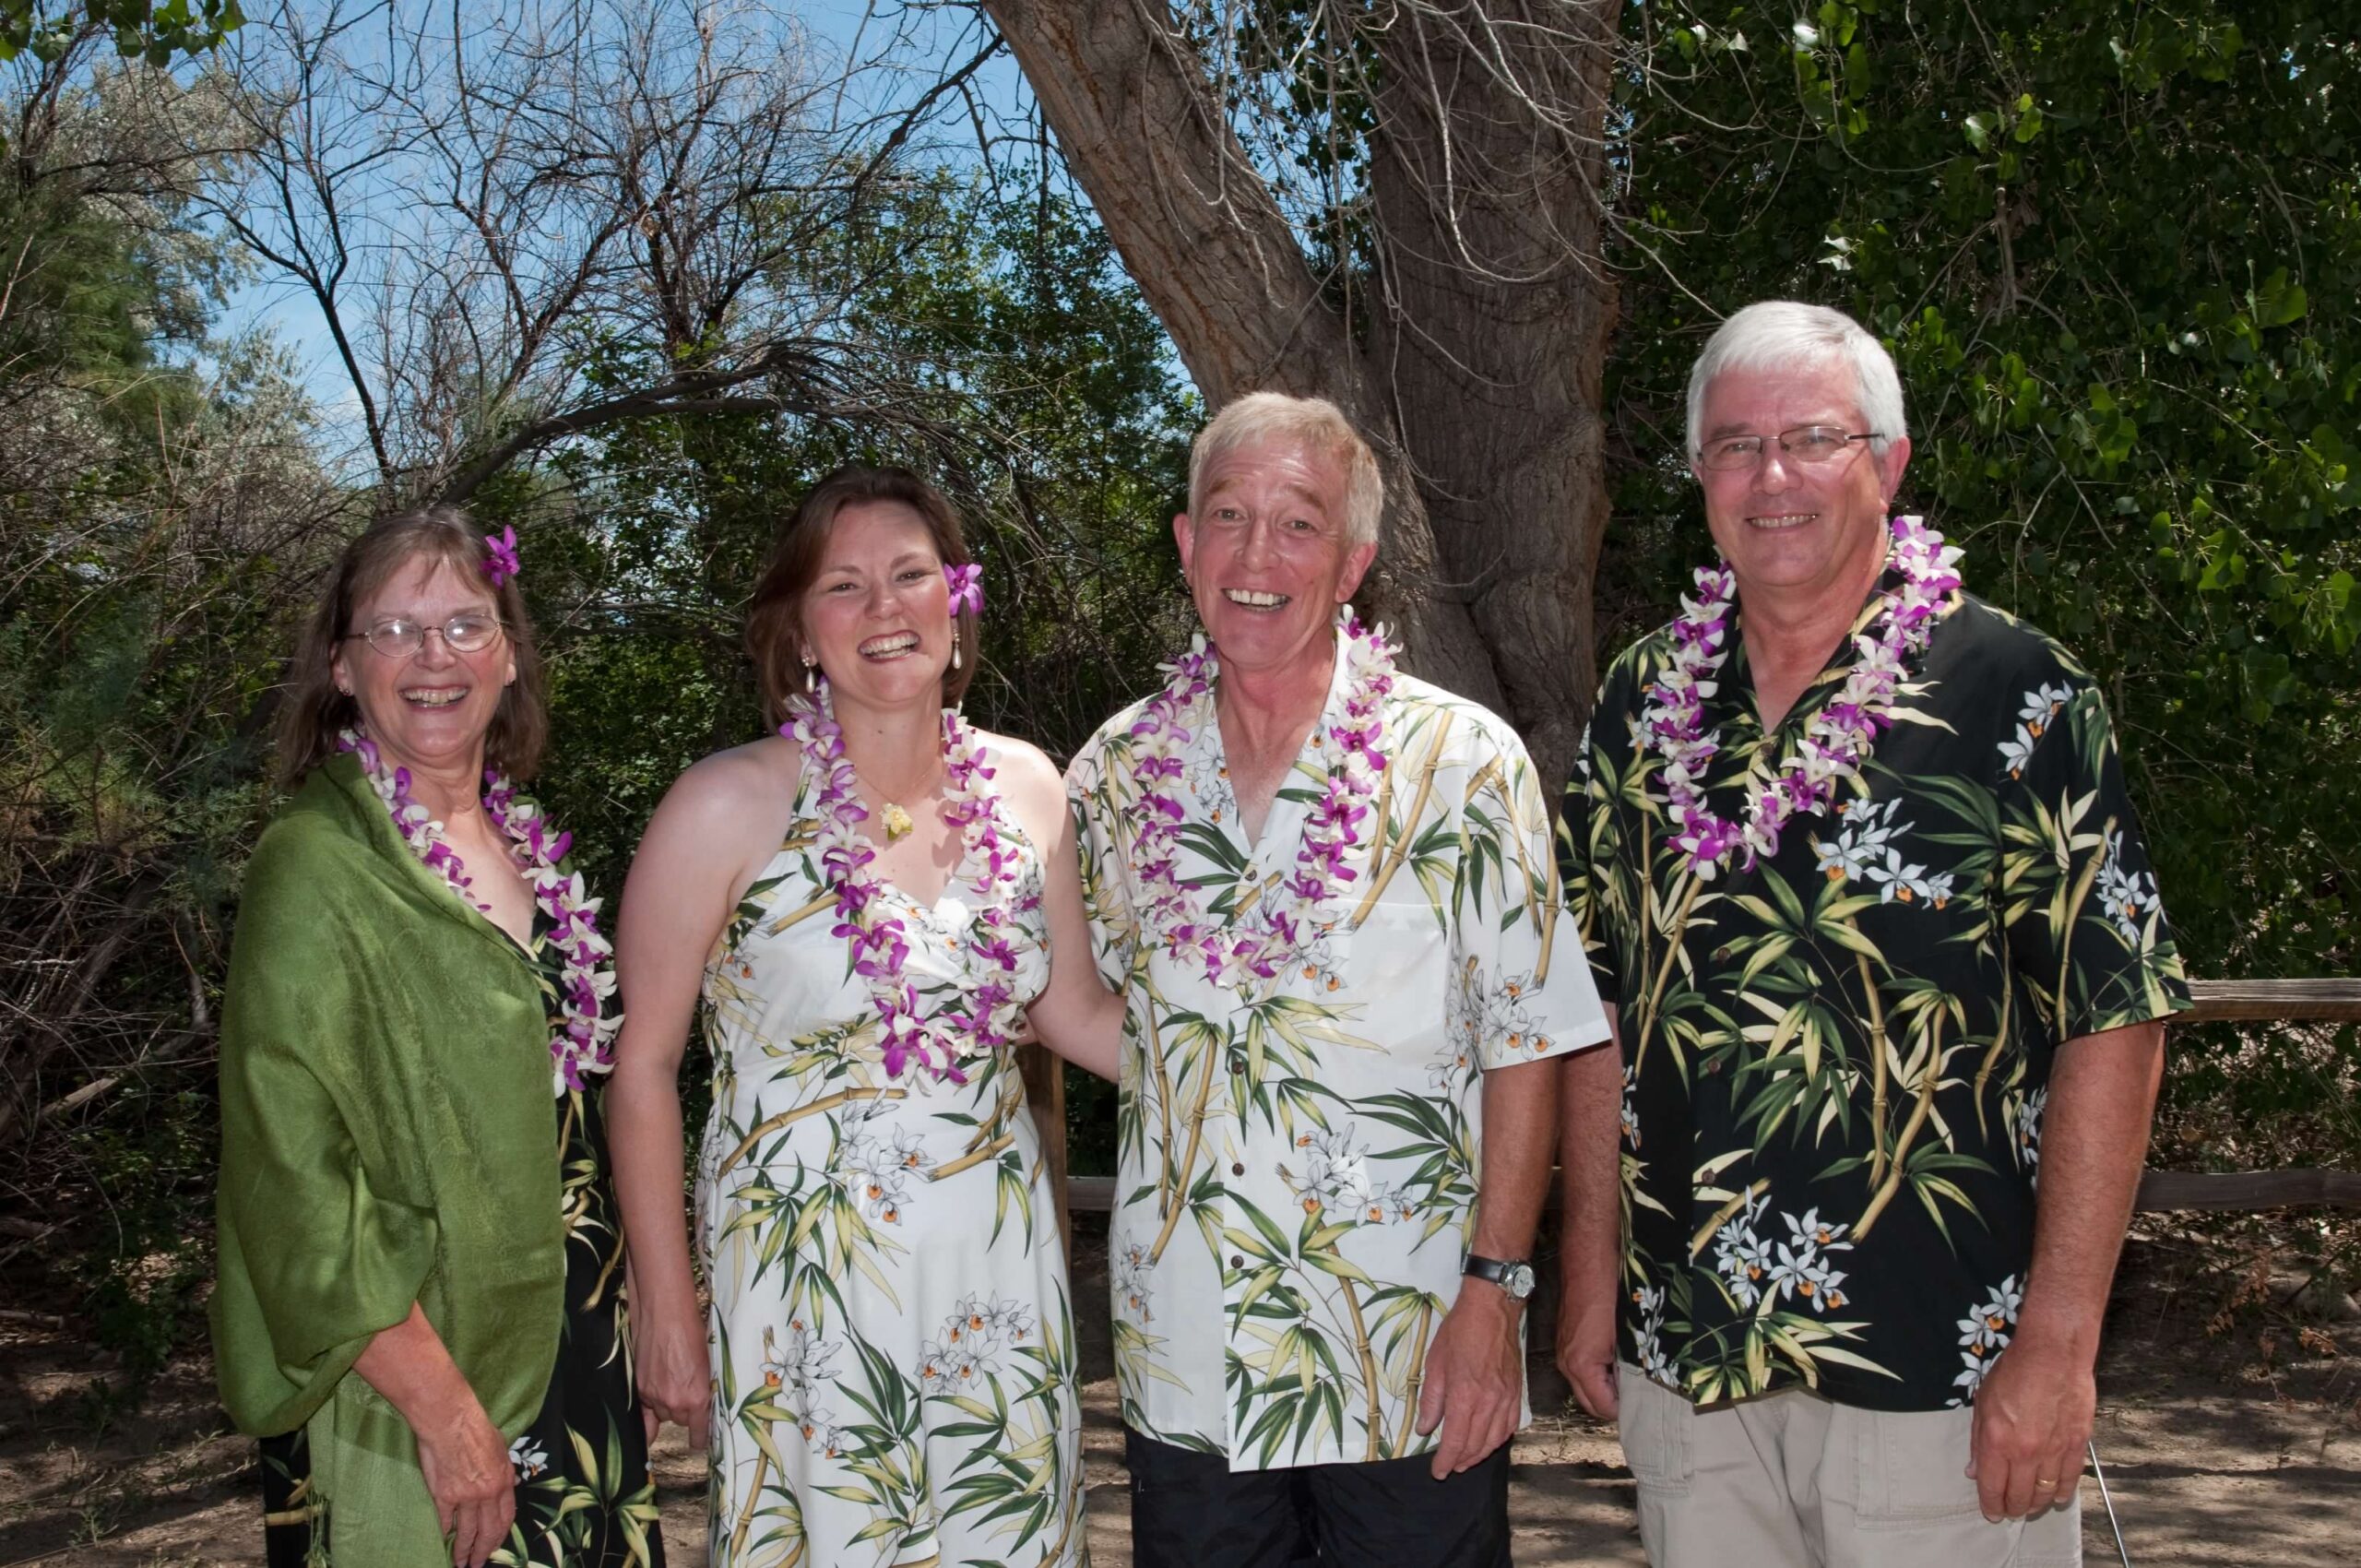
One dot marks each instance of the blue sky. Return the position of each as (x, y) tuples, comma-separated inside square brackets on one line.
[(837, 28)]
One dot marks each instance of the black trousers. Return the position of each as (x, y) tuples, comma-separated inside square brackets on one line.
[(1189, 1510)]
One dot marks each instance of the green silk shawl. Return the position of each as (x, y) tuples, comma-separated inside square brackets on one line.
[(388, 1135)]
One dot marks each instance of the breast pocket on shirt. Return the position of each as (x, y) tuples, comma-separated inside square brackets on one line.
[(1398, 968)]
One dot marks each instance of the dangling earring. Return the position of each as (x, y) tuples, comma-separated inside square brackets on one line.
[(954, 650), (810, 681)]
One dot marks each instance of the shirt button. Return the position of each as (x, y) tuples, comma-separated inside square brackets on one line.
[(1236, 1261), (1237, 1170)]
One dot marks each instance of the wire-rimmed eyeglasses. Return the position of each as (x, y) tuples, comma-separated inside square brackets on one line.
[(1806, 444), (470, 632)]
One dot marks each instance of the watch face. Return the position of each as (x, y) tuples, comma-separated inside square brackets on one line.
[(1518, 1279)]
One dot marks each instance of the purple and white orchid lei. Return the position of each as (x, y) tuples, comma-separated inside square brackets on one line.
[(983, 1014), (584, 1042), (1835, 739), (1248, 952)]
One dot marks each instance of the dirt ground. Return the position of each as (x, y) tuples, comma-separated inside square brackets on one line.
[(2229, 1426)]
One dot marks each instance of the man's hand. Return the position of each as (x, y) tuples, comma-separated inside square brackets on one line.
[(2032, 1420), (1587, 1342), (2033, 1411), (1475, 1378)]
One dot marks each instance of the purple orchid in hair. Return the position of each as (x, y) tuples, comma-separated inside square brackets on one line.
[(966, 587), (500, 561)]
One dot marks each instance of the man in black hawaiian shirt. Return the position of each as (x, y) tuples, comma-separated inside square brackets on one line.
[(1854, 862)]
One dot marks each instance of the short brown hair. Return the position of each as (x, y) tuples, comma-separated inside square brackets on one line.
[(775, 619), (314, 710)]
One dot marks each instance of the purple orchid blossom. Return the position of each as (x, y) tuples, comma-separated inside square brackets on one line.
[(1837, 739), (583, 1042), (500, 561), (966, 583)]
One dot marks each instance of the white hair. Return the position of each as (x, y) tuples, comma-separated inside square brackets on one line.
[(1789, 335), (1318, 424)]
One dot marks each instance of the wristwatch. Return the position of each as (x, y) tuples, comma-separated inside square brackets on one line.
[(1516, 1277)]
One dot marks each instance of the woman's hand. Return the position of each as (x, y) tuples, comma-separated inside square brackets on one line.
[(460, 1453), (471, 1481), (675, 1383)]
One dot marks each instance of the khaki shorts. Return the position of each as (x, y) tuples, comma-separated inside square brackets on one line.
[(1793, 1481)]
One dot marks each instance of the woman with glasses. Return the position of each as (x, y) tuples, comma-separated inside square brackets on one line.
[(419, 1304)]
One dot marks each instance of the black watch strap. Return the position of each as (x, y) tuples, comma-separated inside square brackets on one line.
[(1513, 1275)]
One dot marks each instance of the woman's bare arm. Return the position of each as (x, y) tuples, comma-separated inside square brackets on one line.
[(1075, 1016), (705, 843)]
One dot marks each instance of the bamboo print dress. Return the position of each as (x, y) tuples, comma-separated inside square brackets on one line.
[(891, 1337)]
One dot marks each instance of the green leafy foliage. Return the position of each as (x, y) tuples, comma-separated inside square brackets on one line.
[(1052, 416), (140, 28)]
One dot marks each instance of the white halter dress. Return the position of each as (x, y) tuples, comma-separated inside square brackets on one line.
[(891, 1336)]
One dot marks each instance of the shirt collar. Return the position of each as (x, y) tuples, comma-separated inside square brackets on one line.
[(1285, 824), (1737, 676)]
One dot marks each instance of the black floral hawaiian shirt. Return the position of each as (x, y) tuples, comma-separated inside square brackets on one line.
[(1836, 1061)]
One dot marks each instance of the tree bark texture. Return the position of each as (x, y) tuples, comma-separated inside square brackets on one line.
[(1477, 376), (1493, 335)]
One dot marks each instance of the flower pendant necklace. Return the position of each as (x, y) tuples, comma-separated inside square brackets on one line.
[(897, 822), (982, 1011), (582, 1041), (1836, 740)]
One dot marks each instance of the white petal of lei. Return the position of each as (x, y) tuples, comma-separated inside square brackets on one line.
[(1248, 953), (1836, 739), (584, 1042)]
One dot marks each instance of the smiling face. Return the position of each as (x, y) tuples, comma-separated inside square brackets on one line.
[(878, 615), (429, 711), (1268, 554), (1793, 531)]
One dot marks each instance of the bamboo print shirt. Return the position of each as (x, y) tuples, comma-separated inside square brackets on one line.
[(1834, 1072), (1297, 1170)]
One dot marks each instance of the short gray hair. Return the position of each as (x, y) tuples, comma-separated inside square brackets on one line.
[(1789, 335), (1318, 424)]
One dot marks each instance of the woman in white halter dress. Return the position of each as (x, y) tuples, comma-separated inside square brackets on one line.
[(890, 1317), (887, 1374)]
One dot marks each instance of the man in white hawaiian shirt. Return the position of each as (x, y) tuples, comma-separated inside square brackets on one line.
[(1853, 858), (1327, 891)]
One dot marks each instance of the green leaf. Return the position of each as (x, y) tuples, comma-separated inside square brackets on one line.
[(2278, 303)]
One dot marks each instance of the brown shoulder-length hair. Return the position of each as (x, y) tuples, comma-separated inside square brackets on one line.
[(775, 619), (315, 711)]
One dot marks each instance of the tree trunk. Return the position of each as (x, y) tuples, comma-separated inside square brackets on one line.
[(1142, 129), (1486, 184), (1478, 382)]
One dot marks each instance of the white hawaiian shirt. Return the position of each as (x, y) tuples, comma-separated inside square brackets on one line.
[(1297, 1168)]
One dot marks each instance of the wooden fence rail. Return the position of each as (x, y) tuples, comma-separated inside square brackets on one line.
[(2244, 1002), (2283, 1001)]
